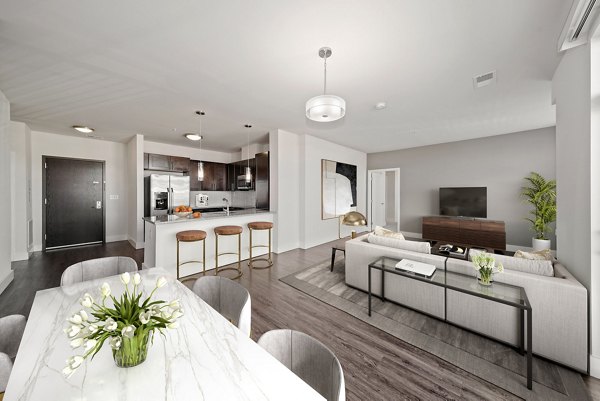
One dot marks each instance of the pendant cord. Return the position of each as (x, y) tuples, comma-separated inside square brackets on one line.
[(325, 75)]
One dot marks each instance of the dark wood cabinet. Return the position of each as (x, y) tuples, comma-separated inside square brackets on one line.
[(181, 164), (215, 177), (489, 234), (157, 162)]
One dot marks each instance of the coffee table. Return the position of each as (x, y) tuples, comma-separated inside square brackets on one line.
[(498, 292)]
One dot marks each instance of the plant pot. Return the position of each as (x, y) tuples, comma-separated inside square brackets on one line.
[(132, 352), (540, 244)]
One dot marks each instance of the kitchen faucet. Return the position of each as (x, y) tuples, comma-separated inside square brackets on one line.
[(226, 208)]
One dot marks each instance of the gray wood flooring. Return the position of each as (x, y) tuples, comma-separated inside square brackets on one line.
[(377, 366)]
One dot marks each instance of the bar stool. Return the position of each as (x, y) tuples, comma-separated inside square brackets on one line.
[(260, 225), (228, 230), (191, 236)]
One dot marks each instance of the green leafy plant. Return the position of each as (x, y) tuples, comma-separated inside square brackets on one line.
[(540, 193), (127, 325), (486, 265)]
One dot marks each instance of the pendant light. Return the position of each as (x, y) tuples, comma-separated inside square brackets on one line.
[(200, 163), (325, 108), (248, 174)]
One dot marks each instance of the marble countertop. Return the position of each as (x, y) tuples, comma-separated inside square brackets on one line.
[(205, 358), (166, 219)]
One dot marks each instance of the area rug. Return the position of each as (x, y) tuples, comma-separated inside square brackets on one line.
[(492, 361)]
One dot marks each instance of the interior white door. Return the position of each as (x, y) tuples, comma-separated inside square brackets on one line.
[(377, 199)]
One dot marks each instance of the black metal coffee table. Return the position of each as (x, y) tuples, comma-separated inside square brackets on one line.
[(498, 292)]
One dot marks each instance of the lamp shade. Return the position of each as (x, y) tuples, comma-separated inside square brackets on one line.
[(354, 219), (325, 108)]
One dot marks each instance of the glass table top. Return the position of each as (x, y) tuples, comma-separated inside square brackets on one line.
[(499, 292)]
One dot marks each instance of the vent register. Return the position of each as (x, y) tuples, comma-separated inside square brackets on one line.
[(486, 79)]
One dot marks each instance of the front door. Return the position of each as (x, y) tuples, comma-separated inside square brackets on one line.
[(73, 202)]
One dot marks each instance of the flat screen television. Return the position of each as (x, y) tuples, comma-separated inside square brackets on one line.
[(464, 202)]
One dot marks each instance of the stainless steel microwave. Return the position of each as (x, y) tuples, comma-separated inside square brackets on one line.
[(242, 184)]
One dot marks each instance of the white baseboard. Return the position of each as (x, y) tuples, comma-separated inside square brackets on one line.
[(7, 280), (595, 366), (135, 244)]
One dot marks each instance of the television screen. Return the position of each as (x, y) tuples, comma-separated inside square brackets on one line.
[(465, 201)]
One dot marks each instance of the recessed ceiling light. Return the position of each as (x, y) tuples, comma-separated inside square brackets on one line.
[(380, 105), (194, 137), (83, 129)]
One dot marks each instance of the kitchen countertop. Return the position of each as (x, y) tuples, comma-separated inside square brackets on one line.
[(167, 219)]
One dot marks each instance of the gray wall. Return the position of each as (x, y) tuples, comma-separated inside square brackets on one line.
[(498, 163)]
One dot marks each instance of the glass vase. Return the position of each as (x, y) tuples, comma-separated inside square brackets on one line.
[(485, 279), (132, 352)]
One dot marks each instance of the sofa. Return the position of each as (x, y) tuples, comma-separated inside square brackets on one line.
[(559, 302)]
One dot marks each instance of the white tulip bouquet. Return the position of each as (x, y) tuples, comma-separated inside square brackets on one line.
[(127, 325), (486, 265)]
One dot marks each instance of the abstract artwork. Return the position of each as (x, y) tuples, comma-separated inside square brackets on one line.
[(338, 189)]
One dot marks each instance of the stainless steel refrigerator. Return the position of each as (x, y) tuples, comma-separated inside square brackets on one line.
[(165, 192)]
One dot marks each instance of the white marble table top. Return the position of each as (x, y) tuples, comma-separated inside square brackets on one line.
[(205, 358)]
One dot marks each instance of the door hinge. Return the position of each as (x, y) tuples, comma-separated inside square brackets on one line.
[(45, 165), (45, 237), (45, 201)]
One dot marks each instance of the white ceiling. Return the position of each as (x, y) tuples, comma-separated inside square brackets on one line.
[(128, 67)]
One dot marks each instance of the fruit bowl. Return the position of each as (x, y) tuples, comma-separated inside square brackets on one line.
[(182, 214)]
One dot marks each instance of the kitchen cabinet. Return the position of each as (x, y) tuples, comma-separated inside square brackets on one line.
[(239, 168), (154, 161), (215, 177)]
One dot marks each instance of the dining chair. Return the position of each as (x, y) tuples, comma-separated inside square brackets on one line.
[(97, 268), (11, 332), (228, 298), (309, 359)]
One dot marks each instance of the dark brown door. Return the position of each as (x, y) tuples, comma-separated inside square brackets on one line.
[(73, 202)]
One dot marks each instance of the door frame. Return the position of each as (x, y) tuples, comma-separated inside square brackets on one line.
[(397, 194), (103, 162)]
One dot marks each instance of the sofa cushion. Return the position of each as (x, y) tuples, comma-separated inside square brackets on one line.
[(539, 267), (415, 246), (545, 254), (384, 232)]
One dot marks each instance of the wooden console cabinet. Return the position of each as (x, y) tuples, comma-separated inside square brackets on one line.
[(464, 231)]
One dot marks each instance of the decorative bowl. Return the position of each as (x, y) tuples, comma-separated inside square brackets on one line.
[(182, 214)]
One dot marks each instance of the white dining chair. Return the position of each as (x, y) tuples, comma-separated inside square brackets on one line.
[(11, 332), (228, 298), (309, 359), (97, 268)]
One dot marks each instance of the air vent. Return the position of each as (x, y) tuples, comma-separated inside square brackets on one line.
[(484, 79)]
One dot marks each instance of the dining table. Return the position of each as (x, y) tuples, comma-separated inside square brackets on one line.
[(205, 358)]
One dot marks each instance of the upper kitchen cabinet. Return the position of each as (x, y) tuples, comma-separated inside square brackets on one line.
[(154, 161), (215, 177)]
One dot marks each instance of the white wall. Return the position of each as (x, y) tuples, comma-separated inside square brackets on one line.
[(285, 189), (20, 148), (115, 156), (316, 231), (6, 273), (193, 152), (135, 193), (595, 203)]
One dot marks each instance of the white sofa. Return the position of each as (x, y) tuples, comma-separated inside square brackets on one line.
[(559, 303)]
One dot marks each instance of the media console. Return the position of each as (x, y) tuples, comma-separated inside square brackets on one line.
[(465, 231)]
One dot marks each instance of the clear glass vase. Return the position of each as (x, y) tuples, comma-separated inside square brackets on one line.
[(485, 279), (132, 352)]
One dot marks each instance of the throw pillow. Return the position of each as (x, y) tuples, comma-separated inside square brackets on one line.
[(539, 267), (384, 232), (545, 254), (414, 246)]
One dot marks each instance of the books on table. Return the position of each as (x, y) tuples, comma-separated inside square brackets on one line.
[(422, 269)]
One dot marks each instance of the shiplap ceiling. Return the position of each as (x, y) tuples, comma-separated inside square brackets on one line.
[(128, 67)]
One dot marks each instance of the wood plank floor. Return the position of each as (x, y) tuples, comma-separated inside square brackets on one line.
[(377, 366)]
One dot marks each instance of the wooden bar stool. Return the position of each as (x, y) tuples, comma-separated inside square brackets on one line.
[(191, 236), (228, 230), (260, 225)]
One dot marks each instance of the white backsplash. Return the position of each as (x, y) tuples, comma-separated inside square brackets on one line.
[(246, 199)]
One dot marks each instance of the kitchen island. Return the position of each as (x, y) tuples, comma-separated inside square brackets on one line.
[(161, 244)]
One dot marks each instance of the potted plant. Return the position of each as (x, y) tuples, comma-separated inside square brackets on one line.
[(485, 264), (540, 193)]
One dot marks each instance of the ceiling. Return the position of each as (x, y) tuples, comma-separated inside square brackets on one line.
[(144, 67)]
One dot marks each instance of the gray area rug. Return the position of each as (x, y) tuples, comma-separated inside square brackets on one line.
[(483, 357)]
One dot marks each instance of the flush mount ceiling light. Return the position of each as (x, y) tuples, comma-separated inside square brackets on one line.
[(325, 108), (193, 137), (83, 129)]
